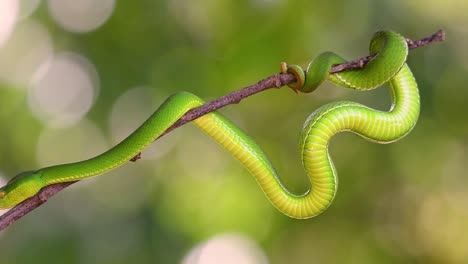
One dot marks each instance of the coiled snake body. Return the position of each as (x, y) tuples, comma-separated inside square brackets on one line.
[(378, 126)]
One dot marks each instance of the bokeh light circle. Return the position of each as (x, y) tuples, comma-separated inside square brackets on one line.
[(81, 16), (8, 17), (63, 90), (18, 58), (227, 249)]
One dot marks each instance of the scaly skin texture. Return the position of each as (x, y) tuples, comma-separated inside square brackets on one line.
[(377, 126)]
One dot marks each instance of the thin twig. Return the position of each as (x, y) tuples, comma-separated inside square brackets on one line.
[(274, 81)]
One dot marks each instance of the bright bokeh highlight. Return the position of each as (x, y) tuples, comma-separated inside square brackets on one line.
[(226, 249), (19, 59), (80, 16), (8, 16), (63, 89)]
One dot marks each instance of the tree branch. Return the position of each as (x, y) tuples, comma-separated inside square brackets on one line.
[(274, 81), (360, 63)]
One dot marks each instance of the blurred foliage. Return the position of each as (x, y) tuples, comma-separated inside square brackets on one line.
[(400, 203)]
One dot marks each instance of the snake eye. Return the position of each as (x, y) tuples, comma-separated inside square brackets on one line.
[(2, 194)]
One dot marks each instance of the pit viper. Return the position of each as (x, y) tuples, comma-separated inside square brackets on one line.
[(387, 67)]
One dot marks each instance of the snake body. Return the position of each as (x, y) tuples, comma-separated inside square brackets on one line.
[(388, 66)]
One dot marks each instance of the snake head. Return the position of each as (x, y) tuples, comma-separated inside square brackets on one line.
[(20, 188)]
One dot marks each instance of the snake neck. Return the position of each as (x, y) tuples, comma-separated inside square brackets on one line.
[(167, 114)]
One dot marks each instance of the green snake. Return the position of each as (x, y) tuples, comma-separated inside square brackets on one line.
[(388, 66)]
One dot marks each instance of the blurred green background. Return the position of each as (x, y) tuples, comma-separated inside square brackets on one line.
[(78, 76)]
